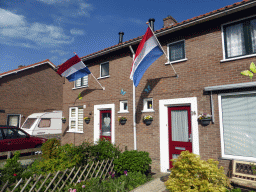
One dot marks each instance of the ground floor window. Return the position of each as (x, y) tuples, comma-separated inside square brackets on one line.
[(238, 124), (76, 119), (13, 120)]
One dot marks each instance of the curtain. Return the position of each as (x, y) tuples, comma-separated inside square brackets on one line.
[(106, 124), (179, 120), (45, 123), (177, 51), (13, 120), (253, 34), (235, 40), (239, 120)]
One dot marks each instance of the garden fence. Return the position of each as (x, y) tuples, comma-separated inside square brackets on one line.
[(57, 181)]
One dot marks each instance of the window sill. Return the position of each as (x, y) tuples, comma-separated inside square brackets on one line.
[(123, 112), (172, 62), (80, 87), (103, 77), (148, 110), (75, 132), (237, 58)]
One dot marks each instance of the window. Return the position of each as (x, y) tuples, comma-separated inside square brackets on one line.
[(82, 82), (44, 123), (29, 122), (240, 38), (104, 69), (1, 135), (123, 106), (76, 119), (13, 120), (238, 119), (10, 133), (176, 51), (21, 134), (148, 104)]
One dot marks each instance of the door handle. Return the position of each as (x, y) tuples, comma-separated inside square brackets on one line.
[(190, 137)]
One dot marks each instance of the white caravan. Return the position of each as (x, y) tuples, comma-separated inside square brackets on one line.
[(43, 123)]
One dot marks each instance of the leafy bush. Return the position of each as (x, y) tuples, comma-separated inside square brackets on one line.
[(132, 161), (104, 149), (12, 170), (124, 183), (49, 148), (190, 173), (66, 156)]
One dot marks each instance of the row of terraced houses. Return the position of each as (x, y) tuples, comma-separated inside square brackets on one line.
[(208, 53)]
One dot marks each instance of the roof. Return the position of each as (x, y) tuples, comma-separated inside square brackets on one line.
[(47, 61), (184, 24)]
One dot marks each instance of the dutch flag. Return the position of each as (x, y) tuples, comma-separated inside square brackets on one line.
[(73, 69), (147, 52)]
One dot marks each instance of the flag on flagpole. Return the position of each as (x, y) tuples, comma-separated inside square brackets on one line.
[(147, 52), (73, 69)]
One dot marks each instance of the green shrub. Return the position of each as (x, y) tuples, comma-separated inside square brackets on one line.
[(49, 148), (67, 156), (104, 149), (190, 173), (132, 161)]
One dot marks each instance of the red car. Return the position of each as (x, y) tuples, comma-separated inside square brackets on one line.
[(14, 138)]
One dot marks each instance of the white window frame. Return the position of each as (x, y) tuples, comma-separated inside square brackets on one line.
[(221, 128), (145, 106), (223, 42), (122, 110), (101, 77), (168, 54), (82, 86), (75, 119)]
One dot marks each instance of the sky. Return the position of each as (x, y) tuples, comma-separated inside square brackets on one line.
[(35, 30)]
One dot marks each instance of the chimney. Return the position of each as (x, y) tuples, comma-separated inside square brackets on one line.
[(151, 22), (121, 36), (19, 66), (169, 21)]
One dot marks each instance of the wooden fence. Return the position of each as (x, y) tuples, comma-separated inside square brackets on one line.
[(57, 181)]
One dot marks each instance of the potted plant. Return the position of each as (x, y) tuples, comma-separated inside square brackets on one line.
[(147, 119), (87, 120), (204, 119), (63, 120), (122, 120)]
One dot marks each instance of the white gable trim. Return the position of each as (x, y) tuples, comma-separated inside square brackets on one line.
[(163, 122), (97, 109)]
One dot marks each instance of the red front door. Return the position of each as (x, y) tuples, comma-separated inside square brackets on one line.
[(105, 124), (179, 120)]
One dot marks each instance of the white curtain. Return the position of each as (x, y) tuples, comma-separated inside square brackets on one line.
[(253, 34), (239, 120), (13, 120), (179, 125), (235, 40)]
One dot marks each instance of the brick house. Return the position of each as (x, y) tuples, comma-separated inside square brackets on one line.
[(29, 89), (208, 53)]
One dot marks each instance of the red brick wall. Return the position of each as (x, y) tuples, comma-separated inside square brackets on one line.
[(203, 68), (33, 90)]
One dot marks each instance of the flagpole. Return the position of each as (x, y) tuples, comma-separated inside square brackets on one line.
[(162, 49), (134, 109), (95, 79)]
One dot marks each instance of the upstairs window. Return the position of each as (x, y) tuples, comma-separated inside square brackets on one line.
[(104, 69), (176, 51), (82, 82), (240, 38)]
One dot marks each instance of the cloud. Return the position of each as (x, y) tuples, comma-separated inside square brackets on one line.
[(137, 21), (9, 19), (30, 35), (53, 1), (60, 52), (77, 32)]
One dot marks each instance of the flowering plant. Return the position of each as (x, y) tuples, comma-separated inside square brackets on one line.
[(147, 117), (87, 118), (204, 116), (121, 118), (63, 118)]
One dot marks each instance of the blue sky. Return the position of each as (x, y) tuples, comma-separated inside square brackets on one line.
[(34, 30)]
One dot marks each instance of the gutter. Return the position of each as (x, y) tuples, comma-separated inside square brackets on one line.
[(173, 29)]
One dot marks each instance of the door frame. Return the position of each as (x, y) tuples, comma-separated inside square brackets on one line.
[(163, 126), (97, 109)]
